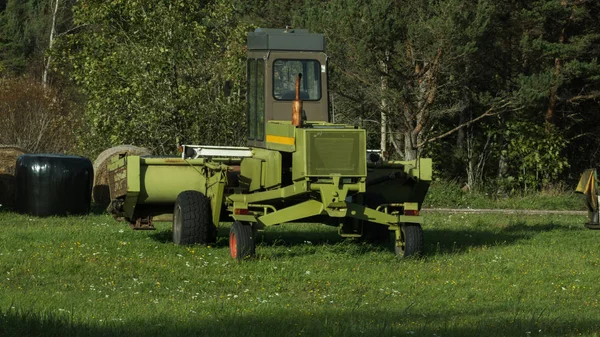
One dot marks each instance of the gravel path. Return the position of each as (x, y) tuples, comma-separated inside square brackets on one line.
[(503, 211)]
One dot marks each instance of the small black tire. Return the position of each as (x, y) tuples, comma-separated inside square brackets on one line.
[(192, 219), (410, 242), (241, 241)]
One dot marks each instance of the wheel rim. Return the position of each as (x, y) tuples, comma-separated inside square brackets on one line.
[(233, 245)]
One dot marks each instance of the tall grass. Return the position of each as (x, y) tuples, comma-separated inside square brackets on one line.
[(449, 194)]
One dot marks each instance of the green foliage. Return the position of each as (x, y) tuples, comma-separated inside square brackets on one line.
[(147, 72), (559, 45), (154, 71), (409, 60), (449, 194), (25, 34), (536, 156)]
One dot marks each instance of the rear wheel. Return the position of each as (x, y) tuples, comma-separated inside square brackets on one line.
[(192, 219), (241, 241), (409, 240)]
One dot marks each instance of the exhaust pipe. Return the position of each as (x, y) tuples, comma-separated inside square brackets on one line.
[(297, 105)]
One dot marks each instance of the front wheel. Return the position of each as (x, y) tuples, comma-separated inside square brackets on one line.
[(409, 240), (241, 241), (192, 219)]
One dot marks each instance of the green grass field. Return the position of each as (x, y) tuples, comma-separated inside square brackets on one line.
[(482, 275)]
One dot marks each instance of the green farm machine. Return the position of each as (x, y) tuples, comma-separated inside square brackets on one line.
[(298, 166)]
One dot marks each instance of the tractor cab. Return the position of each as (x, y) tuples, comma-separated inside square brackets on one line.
[(278, 59)]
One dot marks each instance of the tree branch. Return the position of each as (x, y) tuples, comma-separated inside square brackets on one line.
[(72, 29), (490, 112), (593, 95)]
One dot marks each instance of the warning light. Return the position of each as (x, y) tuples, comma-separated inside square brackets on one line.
[(411, 212), (241, 211)]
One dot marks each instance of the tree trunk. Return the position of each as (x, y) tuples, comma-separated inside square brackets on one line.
[(503, 158), (410, 145), (384, 120), (553, 97), (51, 40), (383, 144)]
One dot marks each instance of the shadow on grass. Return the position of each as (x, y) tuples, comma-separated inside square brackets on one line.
[(448, 241), (98, 209), (162, 236), (292, 322), (5, 209), (437, 240), (522, 227), (287, 238), (166, 236)]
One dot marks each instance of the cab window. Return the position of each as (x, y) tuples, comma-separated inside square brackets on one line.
[(255, 114), (285, 72)]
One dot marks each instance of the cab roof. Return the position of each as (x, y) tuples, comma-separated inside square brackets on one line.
[(285, 39)]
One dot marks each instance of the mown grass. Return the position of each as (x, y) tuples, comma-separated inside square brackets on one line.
[(481, 275)]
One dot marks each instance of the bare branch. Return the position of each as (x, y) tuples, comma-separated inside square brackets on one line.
[(490, 112), (72, 29), (593, 95)]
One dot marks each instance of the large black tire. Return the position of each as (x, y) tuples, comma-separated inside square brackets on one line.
[(192, 219), (411, 240), (241, 241)]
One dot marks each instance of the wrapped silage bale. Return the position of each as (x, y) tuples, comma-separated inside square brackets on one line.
[(53, 184)]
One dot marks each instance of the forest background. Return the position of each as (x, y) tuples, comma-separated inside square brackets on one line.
[(503, 95)]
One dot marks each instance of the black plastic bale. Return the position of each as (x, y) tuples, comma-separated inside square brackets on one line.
[(53, 184)]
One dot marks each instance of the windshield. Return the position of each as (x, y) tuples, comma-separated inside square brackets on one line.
[(284, 79)]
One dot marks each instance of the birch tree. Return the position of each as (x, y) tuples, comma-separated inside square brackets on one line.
[(400, 59)]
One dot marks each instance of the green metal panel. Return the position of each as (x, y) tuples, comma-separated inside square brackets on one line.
[(133, 185), (364, 213), (281, 136), (299, 157), (322, 152), (215, 189), (163, 183), (300, 211), (400, 181), (162, 179), (340, 152), (270, 168), (250, 174), (425, 169), (158, 181), (296, 189)]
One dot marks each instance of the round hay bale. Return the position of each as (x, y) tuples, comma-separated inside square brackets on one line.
[(8, 161), (100, 191)]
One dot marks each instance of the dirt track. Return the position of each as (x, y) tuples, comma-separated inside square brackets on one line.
[(502, 211)]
